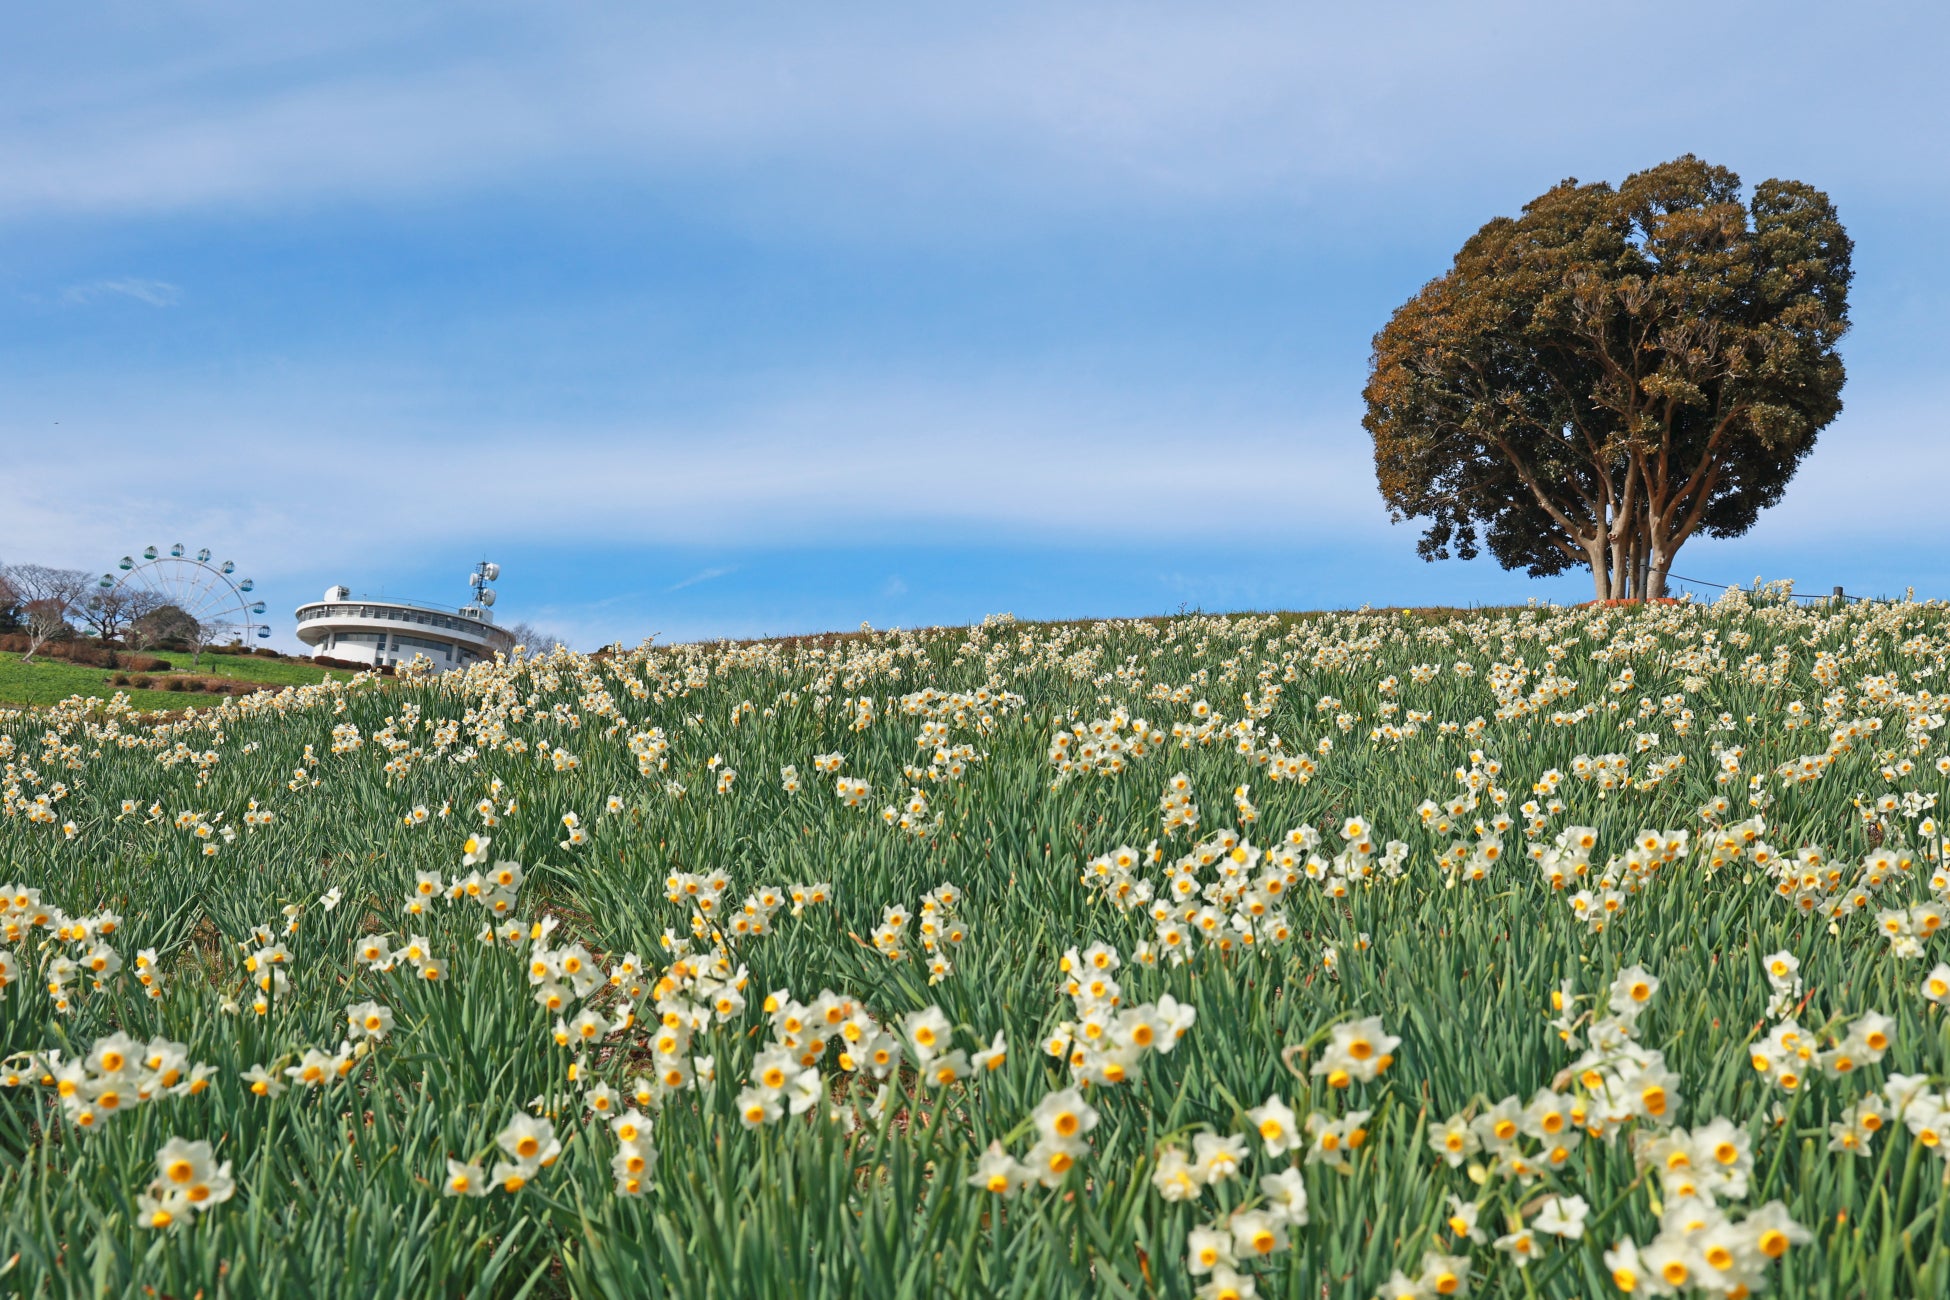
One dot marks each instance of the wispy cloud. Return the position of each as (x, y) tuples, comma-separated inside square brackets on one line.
[(1060, 464), (885, 110), (705, 575), (157, 293), (1055, 461)]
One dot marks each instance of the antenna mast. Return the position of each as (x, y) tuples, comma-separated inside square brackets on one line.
[(484, 572)]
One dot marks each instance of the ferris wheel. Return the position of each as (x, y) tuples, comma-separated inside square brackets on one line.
[(207, 592)]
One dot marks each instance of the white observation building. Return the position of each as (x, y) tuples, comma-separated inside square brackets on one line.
[(381, 632)]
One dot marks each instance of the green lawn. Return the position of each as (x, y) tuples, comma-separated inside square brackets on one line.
[(250, 668), (49, 681)]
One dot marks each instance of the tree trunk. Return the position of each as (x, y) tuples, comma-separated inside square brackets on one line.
[(1625, 566), (1661, 547), (1596, 551), (1662, 555)]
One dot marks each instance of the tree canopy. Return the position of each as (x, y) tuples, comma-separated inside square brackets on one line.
[(166, 622), (1598, 380)]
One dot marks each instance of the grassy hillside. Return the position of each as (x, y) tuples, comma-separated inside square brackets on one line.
[(1521, 955), (48, 681), (250, 668)]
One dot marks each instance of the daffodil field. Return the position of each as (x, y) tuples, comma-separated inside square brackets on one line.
[(1539, 952)]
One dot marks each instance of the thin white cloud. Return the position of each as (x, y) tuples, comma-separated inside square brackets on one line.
[(793, 110), (157, 293), (705, 575), (847, 462)]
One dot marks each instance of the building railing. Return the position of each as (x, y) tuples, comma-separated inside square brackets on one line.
[(395, 611)]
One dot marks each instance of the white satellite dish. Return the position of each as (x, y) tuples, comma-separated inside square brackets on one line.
[(484, 572)]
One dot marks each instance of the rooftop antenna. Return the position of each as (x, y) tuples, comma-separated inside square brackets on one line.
[(484, 572)]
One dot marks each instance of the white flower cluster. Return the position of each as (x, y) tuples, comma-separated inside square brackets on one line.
[(1107, 1040), (115, 1074)]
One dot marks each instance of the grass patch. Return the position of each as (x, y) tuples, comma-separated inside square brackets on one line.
[(49, 681), (250, 668)]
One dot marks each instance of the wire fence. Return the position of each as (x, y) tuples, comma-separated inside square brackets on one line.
[(1837, 594)]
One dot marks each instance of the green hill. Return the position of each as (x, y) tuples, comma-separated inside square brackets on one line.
[(49, 681)]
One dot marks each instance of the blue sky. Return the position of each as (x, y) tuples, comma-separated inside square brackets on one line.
[(730, 321)]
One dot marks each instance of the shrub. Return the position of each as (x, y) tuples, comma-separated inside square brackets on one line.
[(327, 661), (72, 651)]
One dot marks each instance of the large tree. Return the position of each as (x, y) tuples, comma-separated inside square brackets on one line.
[(47, 596), (164, 623), (1613, 372)]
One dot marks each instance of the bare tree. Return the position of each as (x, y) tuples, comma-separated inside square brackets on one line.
[(537, 641), (47, 596), (202, 637), (112, 613), (214, 637)]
